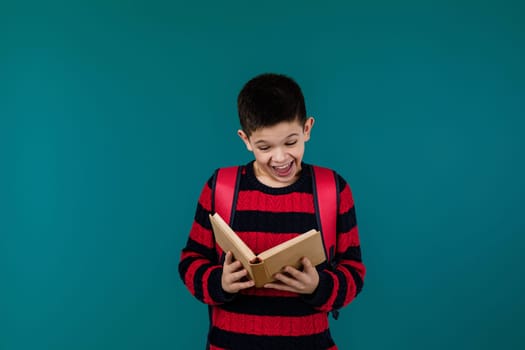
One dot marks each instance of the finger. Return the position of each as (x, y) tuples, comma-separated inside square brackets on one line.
[(231, 265), (292, 282), (236, 276), (235, 266), (228, 258), (296, 274), (307, 265), (309, 270), (244, 285)]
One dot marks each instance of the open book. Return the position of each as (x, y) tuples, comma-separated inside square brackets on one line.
[(262, 267)]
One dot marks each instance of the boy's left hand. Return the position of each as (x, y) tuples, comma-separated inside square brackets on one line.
[(302, 282)]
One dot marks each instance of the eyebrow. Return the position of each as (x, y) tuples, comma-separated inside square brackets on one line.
[(287, 137)]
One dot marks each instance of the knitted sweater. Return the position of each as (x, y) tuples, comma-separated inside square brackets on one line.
[(259, 318)]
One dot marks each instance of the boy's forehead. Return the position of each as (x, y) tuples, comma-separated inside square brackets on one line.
[(282, 129)]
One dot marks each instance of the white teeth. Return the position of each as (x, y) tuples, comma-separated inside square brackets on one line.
[(282, 167)]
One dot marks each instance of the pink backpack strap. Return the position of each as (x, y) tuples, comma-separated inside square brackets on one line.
[(224, 195), (326, 198)]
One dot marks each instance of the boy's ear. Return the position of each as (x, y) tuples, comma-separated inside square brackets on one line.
[(245, 139), (308, 125)]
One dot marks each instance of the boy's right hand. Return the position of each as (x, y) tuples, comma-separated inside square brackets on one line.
[(232, 275)]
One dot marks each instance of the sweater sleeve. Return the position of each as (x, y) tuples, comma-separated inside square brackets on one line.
[(341, 283), (199, 267)]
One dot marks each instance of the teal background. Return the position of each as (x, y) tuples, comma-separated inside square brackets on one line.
[(114, 114)]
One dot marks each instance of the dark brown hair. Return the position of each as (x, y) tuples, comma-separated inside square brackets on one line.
[(269, 99)]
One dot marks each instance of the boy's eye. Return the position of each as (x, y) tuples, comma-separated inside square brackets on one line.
[(264, 148), (291, 143)]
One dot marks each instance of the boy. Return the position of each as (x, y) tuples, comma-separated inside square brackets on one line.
[(274, 204)]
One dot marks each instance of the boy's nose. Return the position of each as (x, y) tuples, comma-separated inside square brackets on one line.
[(279, 155)]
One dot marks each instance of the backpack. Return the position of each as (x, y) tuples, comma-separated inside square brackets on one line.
[(225, 189)]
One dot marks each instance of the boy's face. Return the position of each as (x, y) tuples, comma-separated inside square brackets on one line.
[(278, 151)]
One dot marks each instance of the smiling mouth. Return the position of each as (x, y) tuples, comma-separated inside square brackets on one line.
[(283, 170)]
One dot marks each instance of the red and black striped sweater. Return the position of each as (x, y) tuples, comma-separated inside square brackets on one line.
[(259, 318)]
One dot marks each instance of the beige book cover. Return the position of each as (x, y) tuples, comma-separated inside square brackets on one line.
[(262, 267)]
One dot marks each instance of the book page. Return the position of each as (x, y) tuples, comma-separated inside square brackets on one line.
[(289, 253), (228, 240), (285, 245)]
